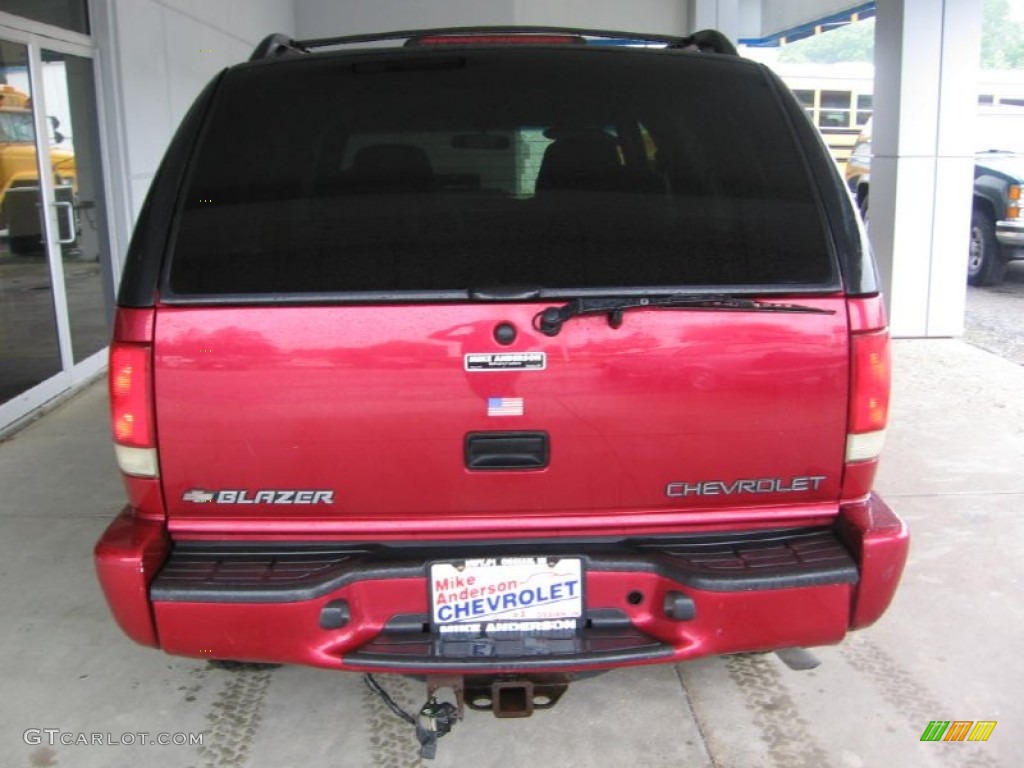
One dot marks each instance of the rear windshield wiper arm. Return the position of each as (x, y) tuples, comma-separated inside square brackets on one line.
[(549, 321)]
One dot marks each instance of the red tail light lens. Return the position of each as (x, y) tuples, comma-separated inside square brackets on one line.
[(130, 394), (870, 373), (870, 382), (519, 39)]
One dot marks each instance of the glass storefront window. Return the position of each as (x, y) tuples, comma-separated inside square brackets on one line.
[(29, 350), (74, 144)]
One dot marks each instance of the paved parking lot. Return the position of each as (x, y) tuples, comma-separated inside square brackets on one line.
[(947, 649), (995, 315)]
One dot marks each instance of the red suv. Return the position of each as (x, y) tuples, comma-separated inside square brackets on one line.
[(498, 355)]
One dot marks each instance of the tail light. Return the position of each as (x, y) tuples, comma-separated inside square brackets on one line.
[(130, 378), (130, 401), (869, 395), (870, 384), (131, 408)]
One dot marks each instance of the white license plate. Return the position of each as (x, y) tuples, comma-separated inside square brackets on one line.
[(506, 589)]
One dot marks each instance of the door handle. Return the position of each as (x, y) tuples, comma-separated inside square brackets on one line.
[(71, 222)]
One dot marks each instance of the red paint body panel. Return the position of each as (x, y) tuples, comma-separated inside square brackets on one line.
[(880, 541), (867, 314), (642, 522), (145, 497), (127, 558), (325, 398), (318, 398), (725, 622), (134, 325)]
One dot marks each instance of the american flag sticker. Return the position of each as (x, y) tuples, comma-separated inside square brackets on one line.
[(504, 406)]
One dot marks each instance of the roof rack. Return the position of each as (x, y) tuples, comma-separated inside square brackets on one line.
[(275, 45), (707, 40)]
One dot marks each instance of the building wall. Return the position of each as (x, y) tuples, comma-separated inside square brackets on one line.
[(317, 18), (157, 56), (736, 19)]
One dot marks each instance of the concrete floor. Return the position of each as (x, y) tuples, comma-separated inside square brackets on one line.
[(948, 649)]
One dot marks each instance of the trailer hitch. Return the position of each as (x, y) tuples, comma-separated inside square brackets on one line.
[(435, 718), (514, 696), (504, 696)]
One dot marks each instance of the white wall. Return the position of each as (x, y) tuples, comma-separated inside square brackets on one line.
[(159, 55), (735, 19), (923, 164), (322, 18)]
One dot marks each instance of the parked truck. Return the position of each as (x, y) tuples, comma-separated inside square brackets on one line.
[(391, 394)]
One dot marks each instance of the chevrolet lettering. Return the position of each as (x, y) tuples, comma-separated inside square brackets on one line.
[(735, 487)]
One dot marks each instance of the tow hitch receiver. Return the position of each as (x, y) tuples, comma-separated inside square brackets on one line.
[(514, 696)]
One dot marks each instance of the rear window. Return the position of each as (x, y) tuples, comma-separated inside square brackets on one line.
[(444, 173)]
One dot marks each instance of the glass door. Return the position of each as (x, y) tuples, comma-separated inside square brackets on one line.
[(56, 278), (77, 203), (29, 342)]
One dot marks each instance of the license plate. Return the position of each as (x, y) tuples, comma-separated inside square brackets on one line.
[(519, 594)]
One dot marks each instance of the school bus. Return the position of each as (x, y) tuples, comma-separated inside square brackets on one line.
[(19, 175), (837, 98)]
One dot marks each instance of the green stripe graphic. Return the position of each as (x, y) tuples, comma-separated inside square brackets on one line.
[(935, 730)]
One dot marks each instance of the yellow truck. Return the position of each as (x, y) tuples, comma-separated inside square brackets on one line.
[(19, 176)]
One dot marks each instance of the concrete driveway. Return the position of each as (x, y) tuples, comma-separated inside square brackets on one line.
[(995, 315), (947, 650)]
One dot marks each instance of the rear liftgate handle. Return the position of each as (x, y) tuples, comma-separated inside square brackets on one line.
[(490, 451)]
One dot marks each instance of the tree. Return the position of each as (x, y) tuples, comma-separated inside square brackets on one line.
[(1002, 36), (851, 42), (1002, 40)]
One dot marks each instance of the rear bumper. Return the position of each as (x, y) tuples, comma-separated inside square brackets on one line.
[(647, 600)]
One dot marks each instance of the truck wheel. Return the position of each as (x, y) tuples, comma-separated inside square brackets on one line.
[(985, 265)]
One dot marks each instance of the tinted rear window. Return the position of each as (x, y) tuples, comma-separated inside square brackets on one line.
[(447, 172)]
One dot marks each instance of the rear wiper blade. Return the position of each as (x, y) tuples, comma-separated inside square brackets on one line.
[(549, 321)]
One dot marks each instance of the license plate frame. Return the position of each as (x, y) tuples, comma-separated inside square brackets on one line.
[(521, 594)]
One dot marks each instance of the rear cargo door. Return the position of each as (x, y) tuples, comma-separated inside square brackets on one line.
[(349, 325), (417, 413)]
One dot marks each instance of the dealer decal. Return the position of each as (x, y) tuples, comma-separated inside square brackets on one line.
[(528, 591), (501, 628), (505, 361), (199, 496)]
